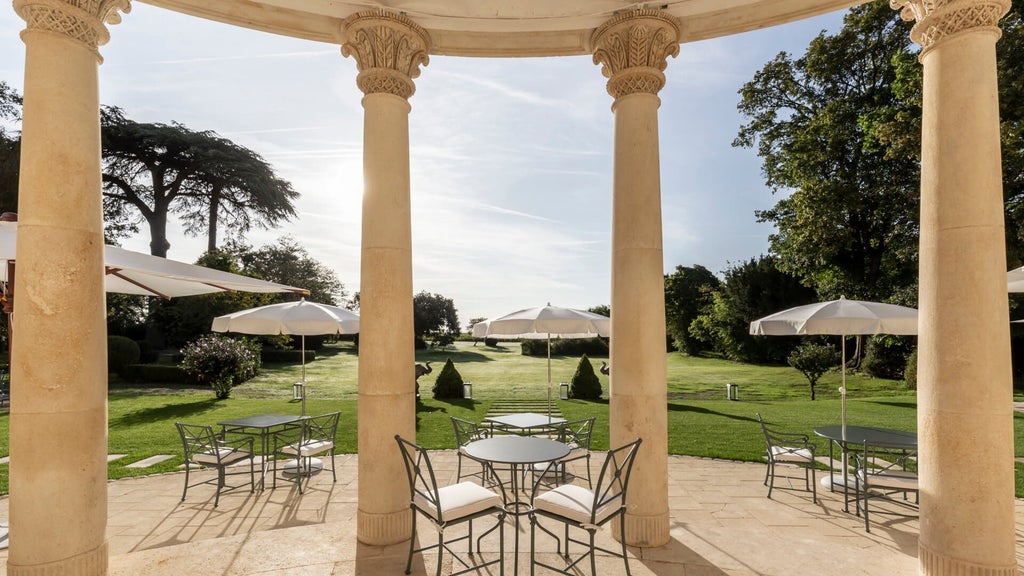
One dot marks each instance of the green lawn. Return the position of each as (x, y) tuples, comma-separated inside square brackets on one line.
[(701, 422)]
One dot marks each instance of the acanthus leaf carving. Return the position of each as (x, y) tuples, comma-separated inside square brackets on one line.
[(633, 49), (389, 49), (937, 20), (81, 20)]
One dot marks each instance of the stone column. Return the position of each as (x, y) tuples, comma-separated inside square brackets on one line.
[(633, 49), (389, 49), (58, 427), (964, 410)]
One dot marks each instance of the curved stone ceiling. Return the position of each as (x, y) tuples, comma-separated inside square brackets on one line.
[(496, 28)]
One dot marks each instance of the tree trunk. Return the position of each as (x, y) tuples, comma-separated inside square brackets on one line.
[(158, 243), (212, 227)]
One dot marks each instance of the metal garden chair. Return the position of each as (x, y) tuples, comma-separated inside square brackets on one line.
[(466, 432), (302, 442), (588, 510), (204, 448), (788, 448), (447, 506)]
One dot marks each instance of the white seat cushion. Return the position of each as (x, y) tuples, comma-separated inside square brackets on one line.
[(309, 448), (227, 456), (574, 502), (797, 455), (462, 499)]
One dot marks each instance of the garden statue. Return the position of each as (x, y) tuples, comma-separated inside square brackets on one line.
[(420, 371)]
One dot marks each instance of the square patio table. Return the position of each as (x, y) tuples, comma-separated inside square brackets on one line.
[(523, 423), (262, 426)]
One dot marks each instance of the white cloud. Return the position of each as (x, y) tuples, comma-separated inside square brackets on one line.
[(511, 160)]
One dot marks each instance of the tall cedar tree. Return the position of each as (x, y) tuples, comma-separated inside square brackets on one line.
[(158, 169)]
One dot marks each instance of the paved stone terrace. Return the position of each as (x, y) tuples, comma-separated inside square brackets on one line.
[(722, 524)]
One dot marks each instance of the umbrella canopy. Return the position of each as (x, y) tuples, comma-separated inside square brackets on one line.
[(129, 272), (1015, 280), (545, 322), (841, 318), (299, 318), (838, 317)]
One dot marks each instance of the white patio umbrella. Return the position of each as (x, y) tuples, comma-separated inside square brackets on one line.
[(299, 318), (545, 323), (841, 318), (1015, 280), (129, 272)]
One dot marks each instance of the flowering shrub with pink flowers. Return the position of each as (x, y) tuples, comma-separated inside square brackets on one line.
[(222, 361)]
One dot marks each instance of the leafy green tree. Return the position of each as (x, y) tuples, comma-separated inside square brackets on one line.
[(585, 385), (154, 170), (813, 361), (602, 309), (687, 292), (825, 126), (434, 317), (751, 290), (288, 262), (10, 147)]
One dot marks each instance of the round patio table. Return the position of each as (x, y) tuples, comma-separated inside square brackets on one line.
[(859, 436), (517, 451)]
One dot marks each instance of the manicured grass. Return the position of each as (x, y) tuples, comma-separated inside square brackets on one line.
[(701, 422)]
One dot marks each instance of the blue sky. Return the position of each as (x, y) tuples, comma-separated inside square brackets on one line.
[(511, 159)]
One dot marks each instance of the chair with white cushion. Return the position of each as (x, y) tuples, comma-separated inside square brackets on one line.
[(204, 448), (466, 432), (585, 509), (301, 442), (788, 448), (883, 473), (447, 506)]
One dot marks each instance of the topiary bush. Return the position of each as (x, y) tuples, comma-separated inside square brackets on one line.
[(448, 383), (910, 372), (813, 360), (585, 385), (121, 351), (221, 361)]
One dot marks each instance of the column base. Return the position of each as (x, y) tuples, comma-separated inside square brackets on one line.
[(383, 529), (91, 563), (932, 562), (644, 531)]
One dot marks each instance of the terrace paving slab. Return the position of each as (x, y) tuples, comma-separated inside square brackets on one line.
[(721, 525)]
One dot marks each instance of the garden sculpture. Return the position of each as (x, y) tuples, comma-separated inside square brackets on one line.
[(605, 368), (420, 371)]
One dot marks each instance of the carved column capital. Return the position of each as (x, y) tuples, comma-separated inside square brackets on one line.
[(80, 20), (389, 49), (937, 20), (633, 50)]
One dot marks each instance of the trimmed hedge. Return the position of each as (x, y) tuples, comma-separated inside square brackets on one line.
[(158, 373), (585, 384), (566, 347)]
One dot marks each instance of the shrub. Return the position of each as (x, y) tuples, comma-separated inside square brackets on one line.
[(121, 351), (910, 372), (492, 342), (886, 356), (813, 360), (585, 385), (448, 383), (221, 361), (147, 352)]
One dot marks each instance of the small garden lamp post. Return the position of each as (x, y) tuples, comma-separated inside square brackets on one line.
[(563, 391), (467, 389)]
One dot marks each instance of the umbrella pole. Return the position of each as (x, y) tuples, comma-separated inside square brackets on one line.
[(842, 389), (549, 377), (303, 374)]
